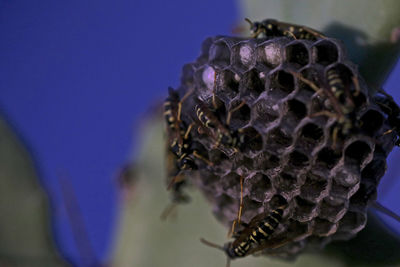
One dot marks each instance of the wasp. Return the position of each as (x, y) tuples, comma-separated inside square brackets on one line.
[(389, 106), (340, 99), (274, 28), (253, 237), (221, 133)]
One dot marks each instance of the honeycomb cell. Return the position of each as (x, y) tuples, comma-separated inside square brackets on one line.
[(315, 188), (324, 227), (357, 152), (311, 75), (220, 55), (328, 157), (277, 201), (374, 170), (277, 139), (340, 191), (264, 112), (239, 115), (252, 139), (285, 182), (281, 83), (253, 84), (371, 121), (260, 186), (218, 158), (265, 161), (305, 210), (296, 109), (298, 159), (325, 53), (364, 195), (353, 222), (332, 213), (269, 54), (310, 136), (297, 54), (204, 80), (244, 57), (226, 84)]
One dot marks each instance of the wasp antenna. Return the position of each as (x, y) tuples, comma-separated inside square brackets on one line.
[(249, 21), (379, 207), (210, 244)]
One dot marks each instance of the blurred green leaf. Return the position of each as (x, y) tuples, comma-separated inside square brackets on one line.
[(365, 26), (25, 238)]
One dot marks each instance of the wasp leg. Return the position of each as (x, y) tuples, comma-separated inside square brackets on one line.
[(200, 157), (229, 116), (188, 93), (239, 215)]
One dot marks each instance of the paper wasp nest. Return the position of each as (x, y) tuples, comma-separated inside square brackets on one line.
[(290, 155)]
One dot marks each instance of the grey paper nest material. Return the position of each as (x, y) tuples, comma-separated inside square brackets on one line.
[(289, 156)]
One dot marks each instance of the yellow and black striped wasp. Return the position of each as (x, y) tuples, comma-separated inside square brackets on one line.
[(228, 138), (340, 99), (181, 150), (254, 236), (275, 28)]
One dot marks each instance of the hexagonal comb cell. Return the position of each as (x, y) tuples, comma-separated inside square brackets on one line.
[(353, 222), (297, 54), (296, 110), (332, 213), (278, 139), (269, 54), (305, 210), (244, 56), (314, 188), (260, 186), (325, 53), (253, 84), (264, 112), (285, 182), (226, 84), (371, 121), (298, 159), (324, 228), (238, 115), (220, 54), (281, 83), (231, 184), (251, 139), (328, 157), (357, 152), (265, 161)]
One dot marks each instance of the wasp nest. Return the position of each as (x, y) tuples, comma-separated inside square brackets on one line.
[(296, 151)]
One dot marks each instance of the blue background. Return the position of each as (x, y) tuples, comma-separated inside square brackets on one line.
[(76, 79), (78, 76)]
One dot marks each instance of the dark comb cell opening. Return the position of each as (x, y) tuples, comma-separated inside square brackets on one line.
[(310, 75), (250, 139), (276, 136), (231, 183), (265, 161), (297, 109), (324, 227), (332, 213), (312, 132), (329, 157), (259, 186), (371, 121), (326, 53), (353, 221), (226, 84), (253, 84), (340, 191), (313, 187), (283, 81), (263, 113), (216, 156), (220, 55), (364, 195), (304, 209), (374, 170), (298, 159), (285, 182), (297, 54), (240, 115), (357, 152)]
